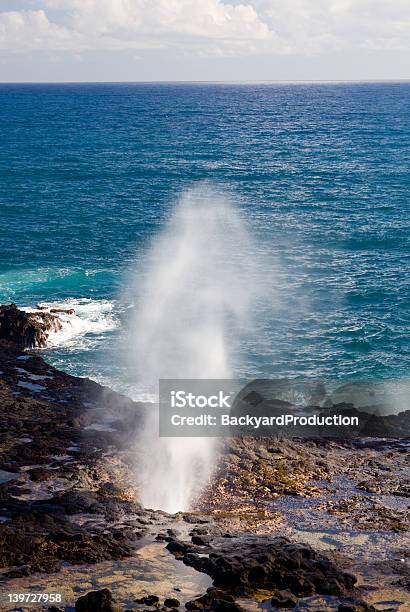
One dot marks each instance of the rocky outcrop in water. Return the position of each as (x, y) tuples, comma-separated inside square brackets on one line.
[(263, 563), (27, 329)]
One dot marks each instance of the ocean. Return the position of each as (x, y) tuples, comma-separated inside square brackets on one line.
[(90, 173)]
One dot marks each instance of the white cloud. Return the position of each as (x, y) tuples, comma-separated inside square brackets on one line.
[(315, 26), (20, 30), (79, 25), (208, 27)]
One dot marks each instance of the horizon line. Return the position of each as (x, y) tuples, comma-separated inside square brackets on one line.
[(212, 82)]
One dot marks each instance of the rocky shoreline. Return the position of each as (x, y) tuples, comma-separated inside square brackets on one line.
[(316, 525)]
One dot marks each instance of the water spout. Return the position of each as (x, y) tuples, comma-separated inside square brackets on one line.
[(194, 305)]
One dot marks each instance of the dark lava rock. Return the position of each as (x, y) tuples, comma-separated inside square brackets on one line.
[(339, 604), (79, 501), (200, 540), (39, 535), (97, 601), (27, 329), (214, 600), (25, 546), (163, 537), (148, 600), (69, 311), (38, 474), (355, 606), (284, 599), (267, 563), (179, 549), (196, 518), (172, 533), (171, 602)]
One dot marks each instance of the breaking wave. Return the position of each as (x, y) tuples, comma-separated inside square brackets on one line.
[(91, 319)]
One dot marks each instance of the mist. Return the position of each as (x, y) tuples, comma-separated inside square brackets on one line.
[(194, 306)]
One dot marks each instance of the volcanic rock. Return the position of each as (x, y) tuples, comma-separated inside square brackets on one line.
[(27, 329), (148, 600), (214, 600), (172, 602), (284, 599), (97, 601), (319, 603), (266, 563)]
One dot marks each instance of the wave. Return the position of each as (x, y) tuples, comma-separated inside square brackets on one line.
[(28, 285), (90, 318)]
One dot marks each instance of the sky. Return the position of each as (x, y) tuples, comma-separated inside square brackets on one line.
[(203, 40)]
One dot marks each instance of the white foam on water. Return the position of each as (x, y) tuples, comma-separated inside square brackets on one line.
[(92, 318)]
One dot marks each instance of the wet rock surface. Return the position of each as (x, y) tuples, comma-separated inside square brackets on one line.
[(348, 499), (57, 470), (265, 563), (365, 476), (70, 515), (215, 599), (97, 601), (27, 329)]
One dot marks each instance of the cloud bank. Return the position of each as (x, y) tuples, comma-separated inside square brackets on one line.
[(206, 26), (81, 25)]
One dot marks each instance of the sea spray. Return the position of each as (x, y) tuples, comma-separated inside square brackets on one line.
[(199, 282)]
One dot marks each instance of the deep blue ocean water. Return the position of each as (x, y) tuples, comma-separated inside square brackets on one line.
[(89, 174)]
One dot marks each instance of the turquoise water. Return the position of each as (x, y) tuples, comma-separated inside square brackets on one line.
[(90, 173)]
